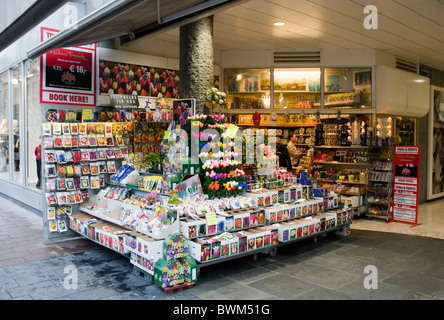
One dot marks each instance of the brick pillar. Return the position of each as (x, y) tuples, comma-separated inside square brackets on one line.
[(196, 61)]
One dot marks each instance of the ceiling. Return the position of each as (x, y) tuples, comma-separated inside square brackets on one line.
[(409, 29)]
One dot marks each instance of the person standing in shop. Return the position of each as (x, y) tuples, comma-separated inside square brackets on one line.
[(293, 151), (38, 160)]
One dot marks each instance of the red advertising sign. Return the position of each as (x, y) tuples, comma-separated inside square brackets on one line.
[(68, 75), (406, 184)]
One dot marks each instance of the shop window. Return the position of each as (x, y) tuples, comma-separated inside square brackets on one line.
[(297, 88), (247, 88), (16, 81), (347, 88), (4, 126), (33, 121)]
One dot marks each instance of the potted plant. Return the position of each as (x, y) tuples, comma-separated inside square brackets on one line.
[(154, 161)]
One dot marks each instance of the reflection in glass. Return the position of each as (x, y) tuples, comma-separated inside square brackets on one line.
[(297, 88), (347, 87), (4, 127), (247, 88), (33, 122), (16, 80)]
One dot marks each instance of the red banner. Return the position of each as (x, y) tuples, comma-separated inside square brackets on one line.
[(68, 75), (406, 184)]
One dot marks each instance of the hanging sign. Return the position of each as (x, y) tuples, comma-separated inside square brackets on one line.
[(68, 75), (406, 184), (125, 101)]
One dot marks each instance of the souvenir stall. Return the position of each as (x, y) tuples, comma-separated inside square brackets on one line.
[(171, 194)]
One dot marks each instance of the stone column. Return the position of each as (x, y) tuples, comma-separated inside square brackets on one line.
[(196, 61)]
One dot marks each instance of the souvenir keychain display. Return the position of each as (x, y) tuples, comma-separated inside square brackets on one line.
[(147, 135)]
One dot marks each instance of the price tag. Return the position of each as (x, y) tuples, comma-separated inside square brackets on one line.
[(211, 218), (167, 134), (231, 131)]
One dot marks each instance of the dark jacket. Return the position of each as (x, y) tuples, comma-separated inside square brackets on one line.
[(284, 156)]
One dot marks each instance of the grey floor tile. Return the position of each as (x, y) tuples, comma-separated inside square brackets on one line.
[(420, 283), (93, 294), (412, 295), (4, 295), (421, 261), (326, 278), (320, 293), (44, 286), (281, 286), (238, 292), (381, 291), (7, 283)]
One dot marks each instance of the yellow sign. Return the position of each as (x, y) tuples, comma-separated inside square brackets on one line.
[(231, 131), (87, 114), (211, 218)]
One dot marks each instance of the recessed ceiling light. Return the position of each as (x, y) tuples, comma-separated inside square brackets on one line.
[(279, 23)]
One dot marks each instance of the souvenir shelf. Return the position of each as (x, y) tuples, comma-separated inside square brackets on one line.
[(379, 188), (351, 159)]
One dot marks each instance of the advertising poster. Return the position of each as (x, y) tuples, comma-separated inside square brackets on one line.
[(68, 74), (406, 184)]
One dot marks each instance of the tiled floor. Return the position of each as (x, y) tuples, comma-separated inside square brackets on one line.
[(430, 222), (408, 263)]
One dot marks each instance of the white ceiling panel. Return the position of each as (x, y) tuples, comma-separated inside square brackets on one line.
[(411, 29)]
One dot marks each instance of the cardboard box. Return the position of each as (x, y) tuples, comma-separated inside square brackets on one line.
[(271, 214), (242, 241), (149, 248), (200, 249), (175, 246), (190, 228), (224, 246), (273, 235), (190, 269), (168, 272), (241, 218), (233, 242)]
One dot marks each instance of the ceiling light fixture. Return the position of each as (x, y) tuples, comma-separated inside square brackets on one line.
[(279, 23)]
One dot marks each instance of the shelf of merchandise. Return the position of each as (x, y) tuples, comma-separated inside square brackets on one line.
[(272, 249), (341, 163), (314, 236), (380, 189), (362, 207), (342, 181), (266, 250), (341, 147)]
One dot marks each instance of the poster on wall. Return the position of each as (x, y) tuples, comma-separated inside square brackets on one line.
[(68, 75), (134, 79), (435, 172), (406, 184)]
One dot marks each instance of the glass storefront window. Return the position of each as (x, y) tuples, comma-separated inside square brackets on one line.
[(4, 126), (247, 88), (347, 88), (33, 121), (16, 81), (297, 88)]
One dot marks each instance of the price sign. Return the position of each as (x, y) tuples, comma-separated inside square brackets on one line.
[(231, 131), (211, 218), (68, 75)]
